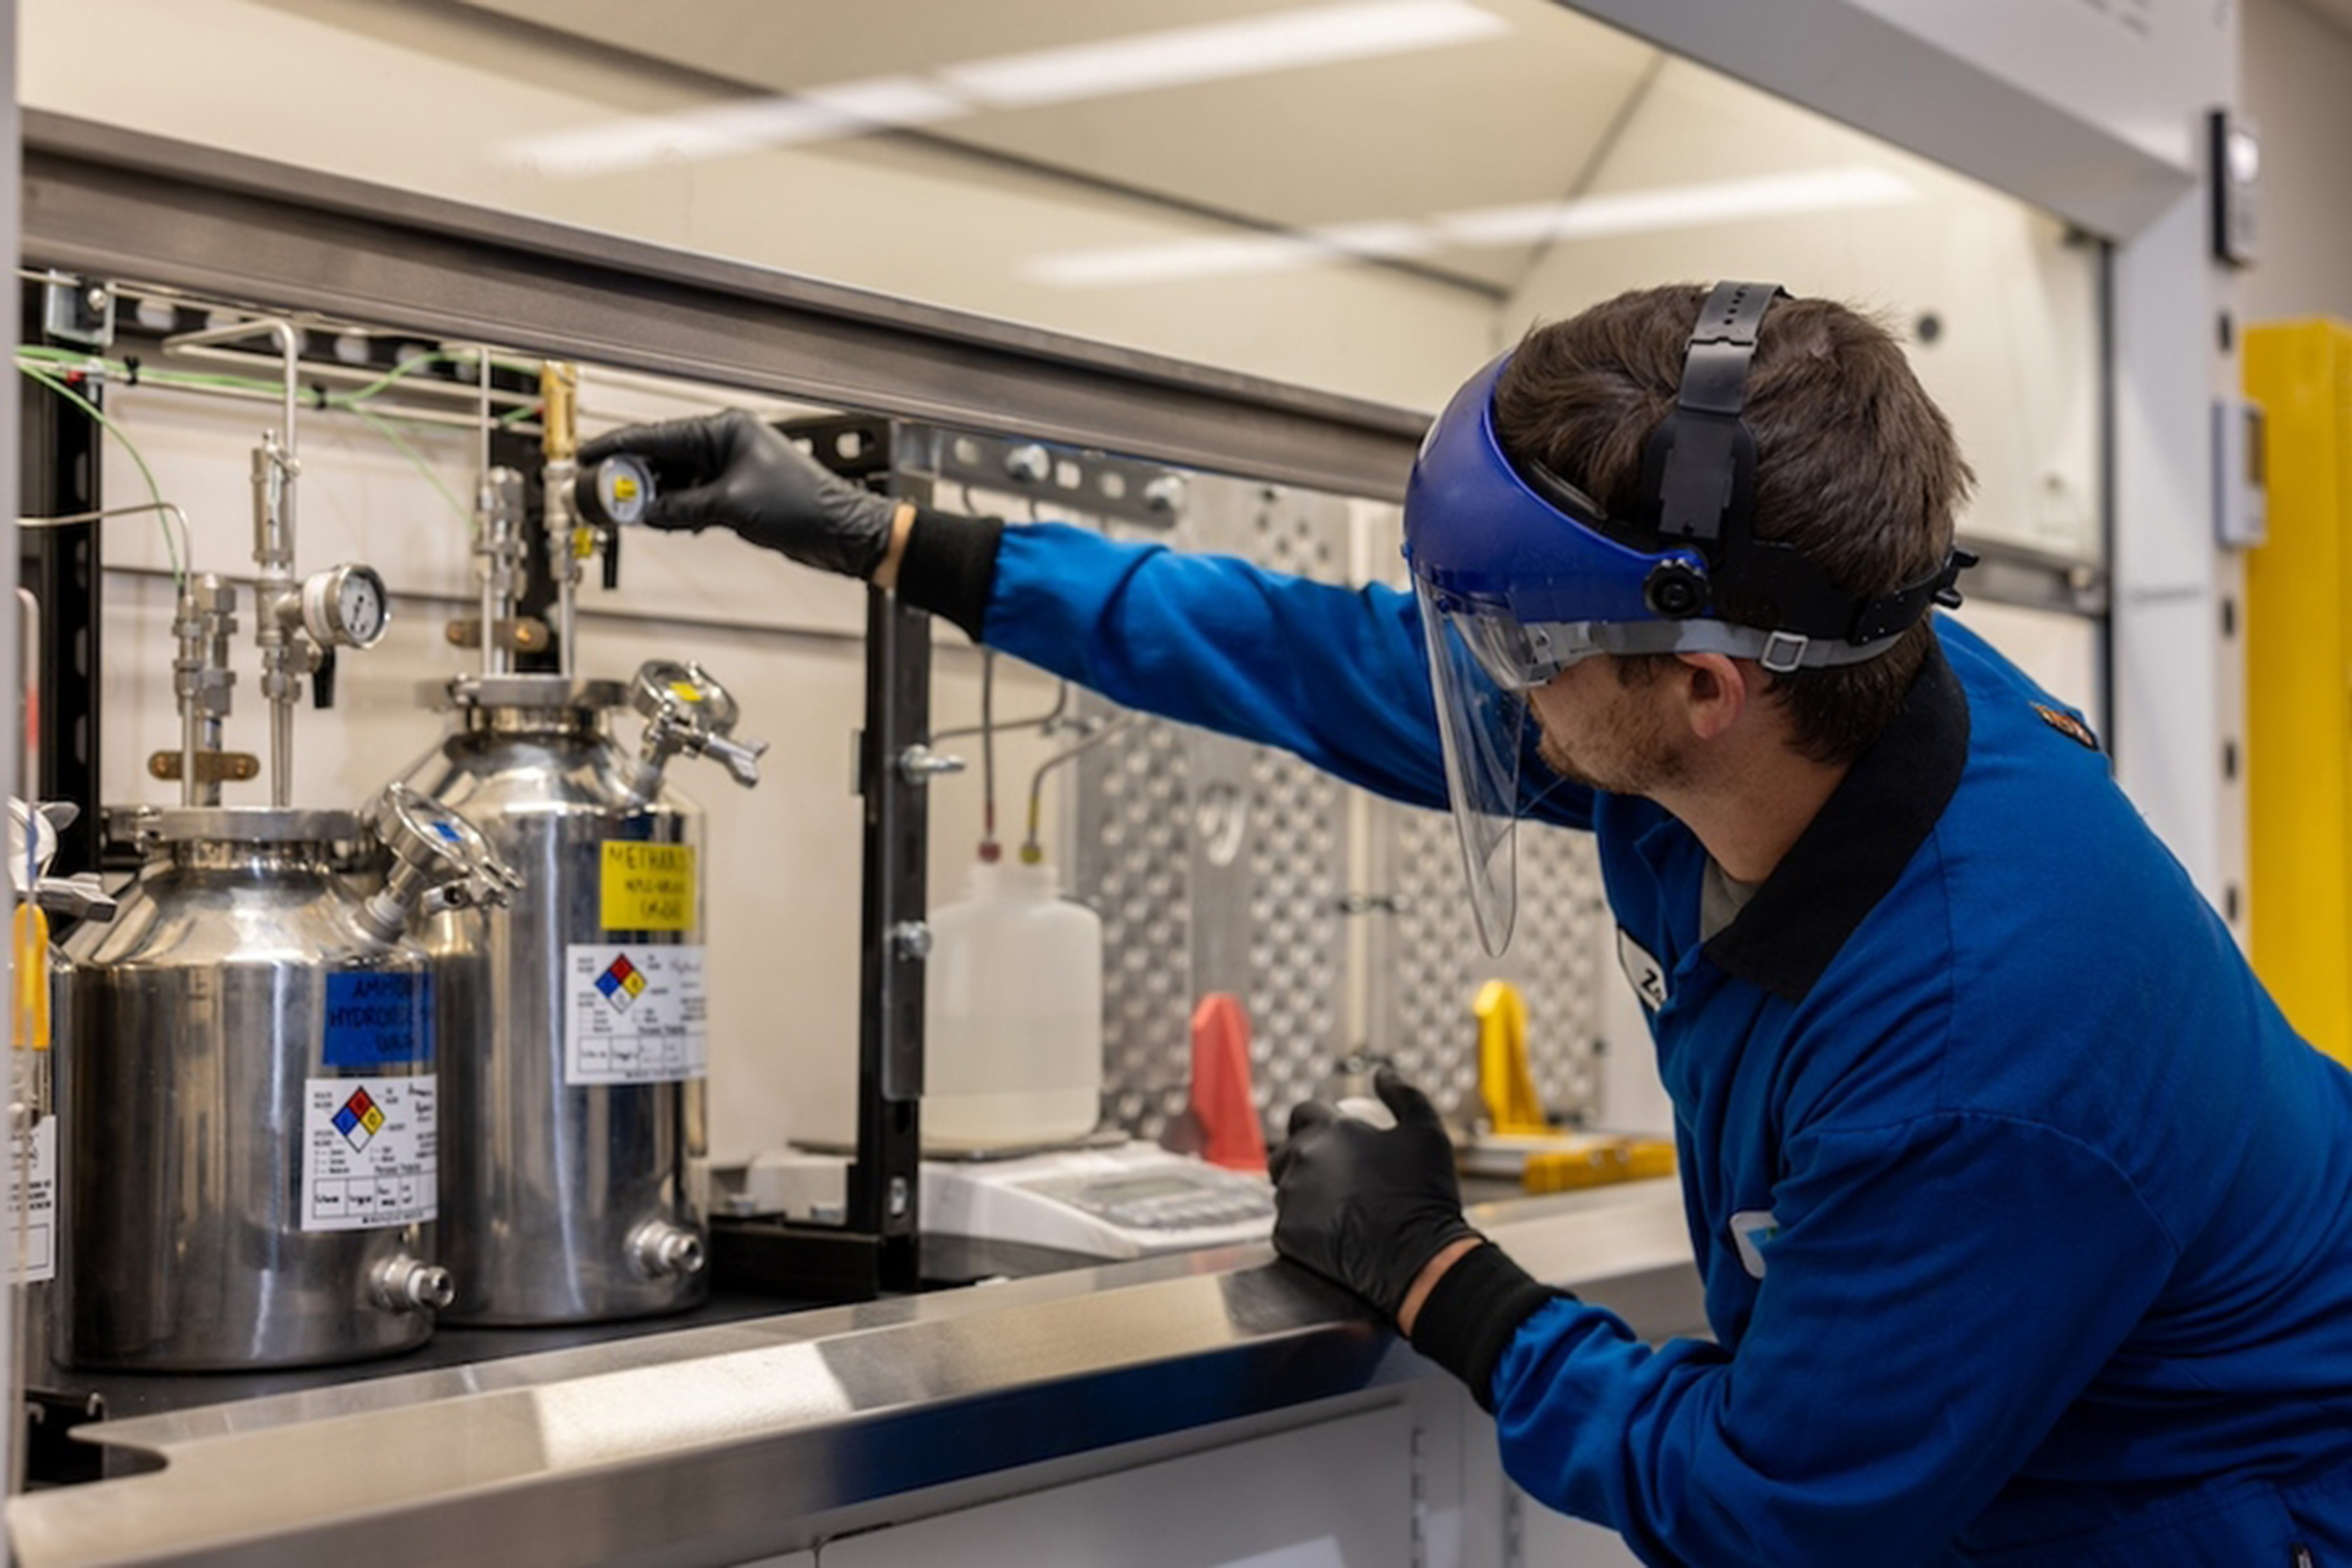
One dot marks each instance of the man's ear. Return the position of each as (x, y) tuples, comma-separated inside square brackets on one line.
[(1713, 693)]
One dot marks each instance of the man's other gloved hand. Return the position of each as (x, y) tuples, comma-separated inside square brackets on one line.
[(734, 470), (1368, 1205)]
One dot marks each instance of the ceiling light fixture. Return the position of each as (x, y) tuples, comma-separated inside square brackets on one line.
[(1581, 217), (1228, 256), (1220, 51), (1675, 206), (1176, 57), (740, 125)]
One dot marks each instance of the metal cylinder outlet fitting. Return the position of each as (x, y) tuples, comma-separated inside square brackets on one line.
[(404, 1285), (661, 1249)]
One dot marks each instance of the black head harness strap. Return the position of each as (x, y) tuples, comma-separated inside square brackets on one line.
[(1698, 481), (1701, 461)]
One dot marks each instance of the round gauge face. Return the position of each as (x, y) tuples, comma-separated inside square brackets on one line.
[(625, 485), (359, 605)]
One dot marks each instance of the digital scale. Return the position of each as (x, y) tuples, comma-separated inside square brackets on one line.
[(1107, 1200), (1129, 1200)]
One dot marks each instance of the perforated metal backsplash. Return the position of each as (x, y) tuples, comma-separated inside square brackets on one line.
[(1429, 964), (1131, 862), (1221, 866)]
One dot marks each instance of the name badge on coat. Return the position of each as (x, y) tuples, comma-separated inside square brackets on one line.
[(1643, 969), (1750, 1230)]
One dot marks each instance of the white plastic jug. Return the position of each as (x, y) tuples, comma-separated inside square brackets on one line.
[(1011, 1013)]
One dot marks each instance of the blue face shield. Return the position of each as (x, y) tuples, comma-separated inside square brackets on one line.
[(1513, 589), (1519, 575)]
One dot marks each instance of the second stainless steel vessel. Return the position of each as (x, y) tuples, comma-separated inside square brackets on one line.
[(572, 1135)]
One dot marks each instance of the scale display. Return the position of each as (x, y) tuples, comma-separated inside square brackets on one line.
[(1127, 1201)]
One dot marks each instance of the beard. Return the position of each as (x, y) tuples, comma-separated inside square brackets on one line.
[(1645, 766)]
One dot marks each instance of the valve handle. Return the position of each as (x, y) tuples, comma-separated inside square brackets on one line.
[(686, 711)]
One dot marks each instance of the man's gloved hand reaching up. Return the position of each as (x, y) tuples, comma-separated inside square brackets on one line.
[(735, 471)]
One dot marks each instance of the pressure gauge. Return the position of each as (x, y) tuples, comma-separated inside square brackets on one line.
[(617, 491), (346, 607)]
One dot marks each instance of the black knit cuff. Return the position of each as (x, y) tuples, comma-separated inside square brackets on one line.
[(1473, 1311), (949, 566)]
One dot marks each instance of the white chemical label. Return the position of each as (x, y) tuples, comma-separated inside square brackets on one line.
[(38, 1259), (370, 1153), (633, 1013)]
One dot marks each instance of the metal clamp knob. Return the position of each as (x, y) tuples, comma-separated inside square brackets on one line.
[(740, 758), (82, 895), (919, 764)]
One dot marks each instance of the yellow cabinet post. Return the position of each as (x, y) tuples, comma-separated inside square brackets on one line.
[(2299, 680)]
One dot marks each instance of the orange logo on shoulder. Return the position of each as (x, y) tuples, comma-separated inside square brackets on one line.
[(2066, 724)]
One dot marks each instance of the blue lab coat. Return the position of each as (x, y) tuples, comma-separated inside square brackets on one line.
[(2024, 1218)]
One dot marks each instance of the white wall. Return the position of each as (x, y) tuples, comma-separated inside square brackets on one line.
[(2295, 84)]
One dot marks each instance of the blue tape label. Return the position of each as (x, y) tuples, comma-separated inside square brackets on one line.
[(377, 1020)]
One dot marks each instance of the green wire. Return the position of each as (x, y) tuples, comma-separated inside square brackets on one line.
[(416, 362), (350, 402), (382, 427), (63, 356), (404, 367), (154, 491)]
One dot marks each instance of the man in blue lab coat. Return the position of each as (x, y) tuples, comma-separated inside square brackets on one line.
[(2024, 1218)]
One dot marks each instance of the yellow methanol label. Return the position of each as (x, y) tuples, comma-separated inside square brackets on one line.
[(648, 887)]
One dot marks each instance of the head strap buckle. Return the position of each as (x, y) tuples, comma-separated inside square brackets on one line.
[(1784, 651)]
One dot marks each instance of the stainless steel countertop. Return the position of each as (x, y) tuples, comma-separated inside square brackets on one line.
[(711, 1433)]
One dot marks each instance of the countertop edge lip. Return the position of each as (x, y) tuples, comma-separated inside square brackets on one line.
[(1282, 1344)]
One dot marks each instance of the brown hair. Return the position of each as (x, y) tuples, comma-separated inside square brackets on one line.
[(1855, 465)]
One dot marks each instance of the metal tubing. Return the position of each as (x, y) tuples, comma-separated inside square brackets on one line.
[(169, 509), (281, 332), (559, 389), (192, 719), (201, 680), (335, 373), (281, 750), (277, 610), (501, 511), (404, 415)]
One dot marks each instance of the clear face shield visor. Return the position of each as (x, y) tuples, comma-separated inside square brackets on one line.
[(1482, 665)]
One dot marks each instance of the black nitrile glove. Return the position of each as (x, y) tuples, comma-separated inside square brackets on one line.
[(1368, 1205), (733, 469)]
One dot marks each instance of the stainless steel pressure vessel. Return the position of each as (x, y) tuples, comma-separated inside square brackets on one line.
[(573, 1143), (247, 1091)]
